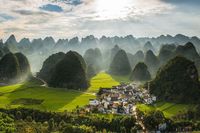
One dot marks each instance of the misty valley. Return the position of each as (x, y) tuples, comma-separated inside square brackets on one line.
[(107, 84)]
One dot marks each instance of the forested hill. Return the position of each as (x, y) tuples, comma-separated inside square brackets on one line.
[(177, 82)]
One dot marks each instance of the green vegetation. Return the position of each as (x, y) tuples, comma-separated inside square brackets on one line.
[(32, 121), (94, 58), (151, 61), (140, 73), (166, 53), (9, 68), (177, 82), (103, 80), (120, 79), (62, 70), (91, 72), (120, 64), (136, 58), (168, 109), (6, 123), (189, 51), (48, 65), (53, 99), (24, 65), (69, 73), (27, 101), (14, 68)]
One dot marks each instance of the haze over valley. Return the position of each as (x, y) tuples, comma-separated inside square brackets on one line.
[(85, 66)]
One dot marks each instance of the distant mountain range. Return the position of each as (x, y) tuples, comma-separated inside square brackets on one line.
[(37, 50), (93, 42)]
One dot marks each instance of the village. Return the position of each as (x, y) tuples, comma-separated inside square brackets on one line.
[(121, 99)]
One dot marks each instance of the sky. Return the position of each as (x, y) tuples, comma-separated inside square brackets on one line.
[(69, 18)]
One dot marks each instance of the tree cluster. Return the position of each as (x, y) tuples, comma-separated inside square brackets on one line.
[(177, 82), (64, 122)]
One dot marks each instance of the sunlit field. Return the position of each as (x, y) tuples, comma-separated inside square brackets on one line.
[(103, 80), (51, 99), (169, 109), (122, 79), (55, 99)]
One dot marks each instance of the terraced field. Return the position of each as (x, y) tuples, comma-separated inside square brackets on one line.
[(169, 109)]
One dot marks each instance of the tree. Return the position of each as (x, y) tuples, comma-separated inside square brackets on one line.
[(68, 129), (159, 117), (153, 119), (29, 119), (19, 115), (133, 130), (62, 124), (198, 111), (128, 123), (51, 124), (7, 124)]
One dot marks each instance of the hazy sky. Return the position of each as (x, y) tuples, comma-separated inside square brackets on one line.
[(68, 18)]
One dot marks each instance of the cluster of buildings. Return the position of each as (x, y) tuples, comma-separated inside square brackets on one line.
[(121, 99)]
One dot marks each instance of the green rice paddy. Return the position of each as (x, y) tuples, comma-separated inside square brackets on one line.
[(54, 99)]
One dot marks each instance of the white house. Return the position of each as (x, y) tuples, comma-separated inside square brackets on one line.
[(94, 102), (106, 105), (154, 98)]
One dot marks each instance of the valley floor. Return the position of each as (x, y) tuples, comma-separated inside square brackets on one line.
[(31, 95)]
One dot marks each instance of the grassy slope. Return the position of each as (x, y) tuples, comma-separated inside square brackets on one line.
[(54, 99), (169, 109)]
